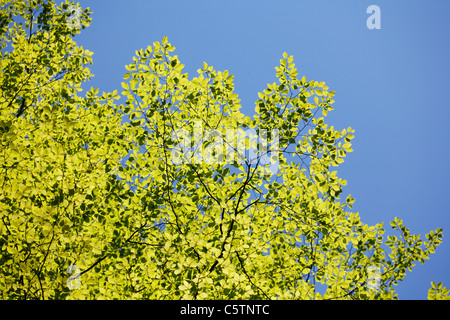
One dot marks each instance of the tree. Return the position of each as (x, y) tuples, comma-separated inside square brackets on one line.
[(174, 193)]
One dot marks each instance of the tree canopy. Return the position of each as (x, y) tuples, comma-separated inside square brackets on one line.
[(166, 190)]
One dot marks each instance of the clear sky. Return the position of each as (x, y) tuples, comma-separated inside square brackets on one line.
[(391, 86)]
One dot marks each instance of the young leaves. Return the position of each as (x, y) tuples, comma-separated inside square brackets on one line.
[(176, 194)]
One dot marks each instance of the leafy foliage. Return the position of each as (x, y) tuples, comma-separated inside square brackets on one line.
[(438, 292), (91, 183)]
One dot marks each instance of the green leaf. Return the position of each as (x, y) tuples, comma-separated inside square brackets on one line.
[(134, 204), (133, 83)]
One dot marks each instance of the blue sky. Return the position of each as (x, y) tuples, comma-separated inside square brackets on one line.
[(391, 86)]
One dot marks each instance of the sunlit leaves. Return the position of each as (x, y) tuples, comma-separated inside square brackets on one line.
[(54, 159), (438, 292), (91, 183)]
